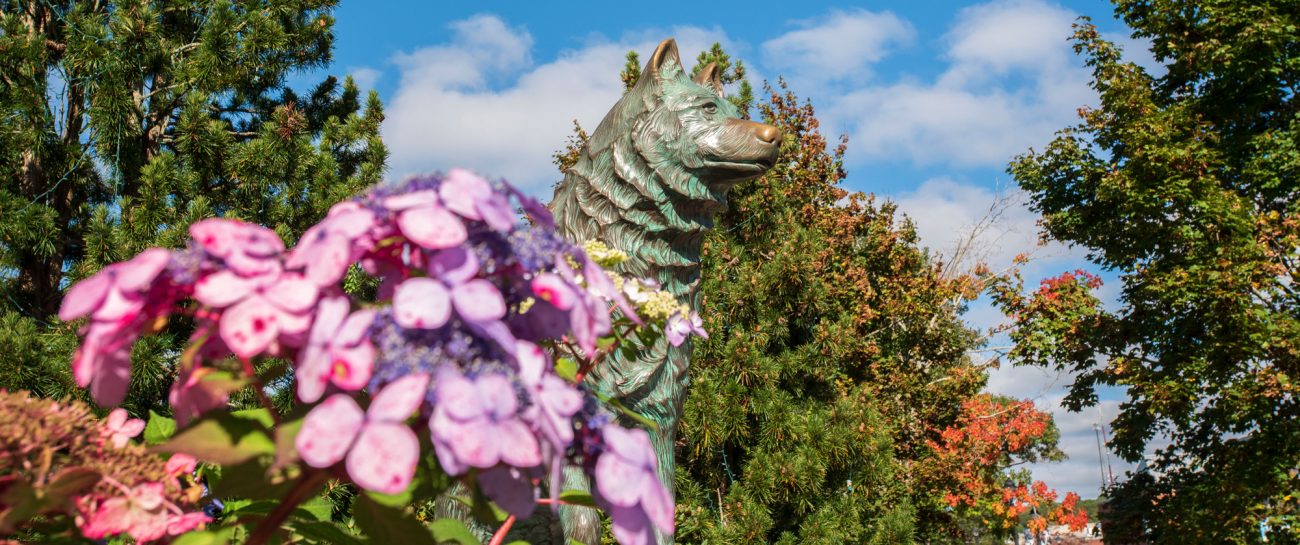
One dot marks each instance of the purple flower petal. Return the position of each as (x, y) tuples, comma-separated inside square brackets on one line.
[(478, 301), (454, 265), (85, 296), (384, 457), (511, 489), (619, 481), (329, 430), (399, 399), (462, 190), (432, 227), (421, 303)]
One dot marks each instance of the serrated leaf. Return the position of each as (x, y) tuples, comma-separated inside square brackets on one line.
[(224, 438), (159, 429)]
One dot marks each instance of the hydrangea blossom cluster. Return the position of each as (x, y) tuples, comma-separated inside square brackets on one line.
[(471, 305), (76, 465)]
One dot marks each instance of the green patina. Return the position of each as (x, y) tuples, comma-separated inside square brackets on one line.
[(649, 182)]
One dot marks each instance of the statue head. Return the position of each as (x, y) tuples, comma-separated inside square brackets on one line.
[(686, 129)]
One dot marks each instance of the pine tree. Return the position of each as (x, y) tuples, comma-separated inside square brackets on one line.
[(127, 121), (835, 352)]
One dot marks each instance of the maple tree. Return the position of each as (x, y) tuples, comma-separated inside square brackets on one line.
[(1182, 185)]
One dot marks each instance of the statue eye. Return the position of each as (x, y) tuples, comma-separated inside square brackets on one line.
[(710, 107)]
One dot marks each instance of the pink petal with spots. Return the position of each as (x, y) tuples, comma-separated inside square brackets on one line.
[(85, 296), (424, 197), (462, 190), (312, 373), (330, 314), (432, 227), (519, 445), (474, 444), (139, 273), (531, 360), (421, 303), (118, 306), (215, 235), (478, 301), (293, 327), (351, 223), (329, 430), (496, 212), (551, 288), (351, 368), (457, 395), (454, 265), (497, 394), (658, 505), (354, 329), (619, 482), (293, 293), (222, 289), (250, 326), (384, 457), (399, 398)]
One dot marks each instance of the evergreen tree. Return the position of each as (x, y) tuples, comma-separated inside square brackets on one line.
[(1185, 183), (126, 121)]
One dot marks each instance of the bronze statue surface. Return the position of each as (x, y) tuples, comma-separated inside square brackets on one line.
[(648, 182)]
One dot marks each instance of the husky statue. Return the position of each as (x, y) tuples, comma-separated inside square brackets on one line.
[(648, 182)]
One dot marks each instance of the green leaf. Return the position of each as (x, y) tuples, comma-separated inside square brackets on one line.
[(20, 500), (383, 524), (577, 497), (317, 508), (215, 537), (159, 429), (69, 482), (324, 532), (567, 369), (452, 531), (249, 480), (614, 404), (399, 500), (225, 438)]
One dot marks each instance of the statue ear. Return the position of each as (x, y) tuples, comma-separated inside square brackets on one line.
[(710, 77), (664, 54)]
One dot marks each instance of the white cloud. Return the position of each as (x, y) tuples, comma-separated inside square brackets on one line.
[(365, 77), (1010, 83), (480, 100), (839, 45)]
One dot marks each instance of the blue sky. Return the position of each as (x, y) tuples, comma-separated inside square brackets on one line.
[(935, 96)]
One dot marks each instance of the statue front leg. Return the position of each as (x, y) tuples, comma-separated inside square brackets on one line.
[(581, 524), (663, 442)]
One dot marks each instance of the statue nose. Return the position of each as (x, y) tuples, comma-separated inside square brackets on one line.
[(767, 133)]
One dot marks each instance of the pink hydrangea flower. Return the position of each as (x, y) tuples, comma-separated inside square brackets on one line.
[(246, 249), (180, 464), (427, 302), (422, 218), (338, 351), (554, 400), (103, 362), (119, 428), (381, 450), (679, 326), (627, 480), (142, 513), (259, 309), (473, 198), (476, 423), (116, 293), (327, 249)]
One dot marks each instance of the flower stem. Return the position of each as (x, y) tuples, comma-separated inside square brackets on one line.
[(500, 537), (301, 490)]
